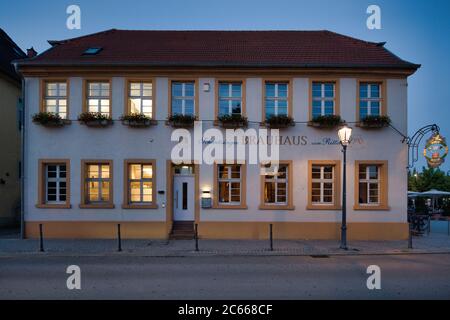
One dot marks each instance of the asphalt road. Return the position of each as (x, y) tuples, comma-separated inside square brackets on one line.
[(402, 277)]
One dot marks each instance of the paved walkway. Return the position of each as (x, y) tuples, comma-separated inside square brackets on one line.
[(437, 242)]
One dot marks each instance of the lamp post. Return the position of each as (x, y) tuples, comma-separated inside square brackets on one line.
[(344, 134)]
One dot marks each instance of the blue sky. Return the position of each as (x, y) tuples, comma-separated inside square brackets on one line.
[(415, 30)]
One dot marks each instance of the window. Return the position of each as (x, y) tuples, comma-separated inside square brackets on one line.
[(230, 98), (229, 186), (324, 185), (183, 98), (371, 185), (54, 184), (97, 186), (323, 98), (276, 99), (99, 97), (276, 184), (92, 51), (140, 178), (55, 98), (140, 98), (370, 99)]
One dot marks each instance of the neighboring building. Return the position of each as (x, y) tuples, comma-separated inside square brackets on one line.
[(10, 95), (81, 181)]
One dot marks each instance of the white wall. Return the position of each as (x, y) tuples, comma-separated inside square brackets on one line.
[(119, 142)]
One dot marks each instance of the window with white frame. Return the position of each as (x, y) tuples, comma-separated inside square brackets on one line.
[(276, 99), (55, 183), (140, 183), (230, 98), (276, 185), (183, 98), (369, 99), (323, 98), (98, 97), (55, 98), (98, 183), (230, 184), (140, 98), (369, 184), (322, 191)]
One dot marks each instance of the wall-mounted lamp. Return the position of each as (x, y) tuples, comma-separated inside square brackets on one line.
[(206, 87), (206, 199)]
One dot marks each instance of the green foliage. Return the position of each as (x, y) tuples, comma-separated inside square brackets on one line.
[(45, 118), (135, 117), (237, 119), (186, 119), (428, 179), (329, 121), (279, 121), (379, 121), (93, 116)]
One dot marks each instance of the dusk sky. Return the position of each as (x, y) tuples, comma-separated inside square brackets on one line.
[(417, 31)]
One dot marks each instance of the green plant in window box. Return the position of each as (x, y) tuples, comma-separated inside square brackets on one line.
[(375, 122), (137, 120), (181, 120), (50, 119), (279, 121), (95, 119), (232, 121), (326, 121)]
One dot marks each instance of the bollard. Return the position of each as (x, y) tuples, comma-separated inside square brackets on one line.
[(196, 237), (410, 244), (119, 239), (41, 239), (271, 237), (448, 227)]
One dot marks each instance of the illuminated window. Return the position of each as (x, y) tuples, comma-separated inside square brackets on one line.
[(276, 185), (55, 98), (98, 183), (140, 98), (229, 184), (322, 184), (140, 183), (98, 97)]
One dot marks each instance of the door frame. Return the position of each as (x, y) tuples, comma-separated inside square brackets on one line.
[(169, 194)]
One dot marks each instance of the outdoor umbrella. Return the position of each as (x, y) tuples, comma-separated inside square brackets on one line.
[(434, 194)]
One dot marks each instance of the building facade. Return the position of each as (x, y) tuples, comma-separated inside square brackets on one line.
[(10, 93), (83, 180)]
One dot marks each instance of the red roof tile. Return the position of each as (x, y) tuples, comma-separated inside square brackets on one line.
[(221, 49)]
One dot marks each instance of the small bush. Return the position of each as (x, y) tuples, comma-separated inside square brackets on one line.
[(233, 119), (93, 116), (376, 121), (328, 121), (48, 118), (279, 121)]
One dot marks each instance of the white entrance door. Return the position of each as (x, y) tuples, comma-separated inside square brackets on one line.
[(183, 198)]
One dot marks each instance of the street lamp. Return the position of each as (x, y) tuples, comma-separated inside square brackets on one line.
[(344, 134)]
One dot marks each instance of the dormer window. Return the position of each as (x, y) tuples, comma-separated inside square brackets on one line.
[(92, 51)]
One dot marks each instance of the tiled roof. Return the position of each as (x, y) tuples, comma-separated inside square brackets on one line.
[(300, 49), (9, 51)]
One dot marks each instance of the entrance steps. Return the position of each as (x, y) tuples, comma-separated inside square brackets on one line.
[(182, 230)]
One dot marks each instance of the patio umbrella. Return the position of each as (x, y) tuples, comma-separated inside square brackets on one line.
[(434, 194), (413, 194)]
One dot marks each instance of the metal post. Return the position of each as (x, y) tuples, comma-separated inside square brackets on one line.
[(41, 239), (344, 201), (410, 243), (448, 226), (196, 237), (429, 225), (271, 236), (119, 239)]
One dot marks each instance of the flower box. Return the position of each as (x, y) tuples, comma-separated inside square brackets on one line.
[(326, 122), (137, 120), (375, 122), (95, 119), (48, 119), (233, 121), (181, 121), (279, 122)]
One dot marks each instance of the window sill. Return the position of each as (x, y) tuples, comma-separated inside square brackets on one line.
[(54, 206), (230, 207), (371, 208), (97, 206), (323, 207), (139, 206), (275, 207)]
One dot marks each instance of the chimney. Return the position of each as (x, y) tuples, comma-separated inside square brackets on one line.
[(31, 53)]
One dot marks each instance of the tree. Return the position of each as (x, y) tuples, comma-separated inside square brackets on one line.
[(428, 179)]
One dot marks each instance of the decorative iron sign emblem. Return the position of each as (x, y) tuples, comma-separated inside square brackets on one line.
[(435, 150)]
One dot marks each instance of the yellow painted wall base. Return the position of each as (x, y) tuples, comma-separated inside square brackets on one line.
[(302, 231), (96, 230)]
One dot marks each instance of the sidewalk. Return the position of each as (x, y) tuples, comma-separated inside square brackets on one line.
[(435, 243)]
